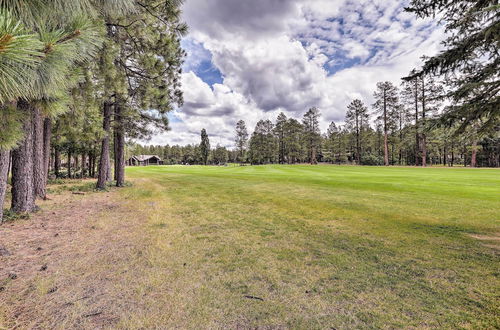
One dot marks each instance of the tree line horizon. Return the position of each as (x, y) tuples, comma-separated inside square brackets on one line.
[(406, 131)]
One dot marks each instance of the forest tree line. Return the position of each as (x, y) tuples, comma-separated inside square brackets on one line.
[(399, 130), (421, 122)]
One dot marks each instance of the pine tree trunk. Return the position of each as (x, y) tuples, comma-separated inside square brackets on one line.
[(92, 161), (4, 172), (313, 156), (108, 171), (119, 148), (424, 150), (452, 160), (473, 162), (69, 165), (115, 146), (9, 169), (84, 165), (104, 165), (39, 175), (89, 156), (23, 194), (47, 133), (76, 165), (57, 162)]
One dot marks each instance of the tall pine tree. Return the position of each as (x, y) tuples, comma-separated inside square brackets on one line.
[(357, 119)]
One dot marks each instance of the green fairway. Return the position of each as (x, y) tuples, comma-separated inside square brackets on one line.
[(318, 246)]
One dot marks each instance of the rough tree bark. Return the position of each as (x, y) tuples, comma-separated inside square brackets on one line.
[(4, 170), (104, 165), (38, 154), (91, 164), (452, 154), (84, 166), (76, 165), (119, 148), (445, 155), (23, 195), (313, 156), (115, 151), (57, 162), (47, 134), (473, 158)]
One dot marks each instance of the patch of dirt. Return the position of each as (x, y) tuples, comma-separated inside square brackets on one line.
[(486, 237), (58, 269), (489, 241)]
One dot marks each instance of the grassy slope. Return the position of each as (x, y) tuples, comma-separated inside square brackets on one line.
[(323, 246)]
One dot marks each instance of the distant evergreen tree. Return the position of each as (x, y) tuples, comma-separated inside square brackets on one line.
[(332, 136), (279, 130), (220, 155), (386, 104), (410, 91), (241, 139), (430, 99), (357, 119), (312, 134), (263, 143), (204, 147), (293, 141)]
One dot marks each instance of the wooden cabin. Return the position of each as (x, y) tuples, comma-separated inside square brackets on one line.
[(144, 160)]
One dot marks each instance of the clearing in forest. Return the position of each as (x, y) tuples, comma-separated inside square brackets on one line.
[(261, 246)]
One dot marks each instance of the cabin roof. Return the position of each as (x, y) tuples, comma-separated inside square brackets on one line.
[(143, 158)]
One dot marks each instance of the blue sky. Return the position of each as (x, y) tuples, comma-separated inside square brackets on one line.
[(252, 60)]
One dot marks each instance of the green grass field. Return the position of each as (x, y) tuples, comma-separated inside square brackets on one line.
[(319, 246)]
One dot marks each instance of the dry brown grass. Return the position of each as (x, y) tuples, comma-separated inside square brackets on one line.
[(66, 264)]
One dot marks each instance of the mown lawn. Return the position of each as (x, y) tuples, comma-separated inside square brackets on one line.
[(317, 247)]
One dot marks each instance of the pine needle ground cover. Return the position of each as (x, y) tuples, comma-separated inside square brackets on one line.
[(319, 246)]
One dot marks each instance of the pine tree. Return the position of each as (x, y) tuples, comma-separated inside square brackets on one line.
[(357, 118), (410, 91), (241, 139), (220, 155), (279, 130), (402, 119), (430, 99), (312, 134), (386, 103), (332, 137), (471, 53), (65, 43), (42, 42), (263, 143), (204, 147), (293, 141)]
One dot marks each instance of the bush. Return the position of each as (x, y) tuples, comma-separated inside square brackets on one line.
[(372, 160)]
